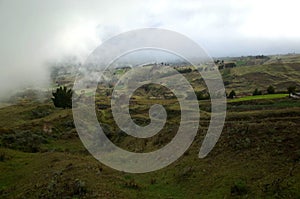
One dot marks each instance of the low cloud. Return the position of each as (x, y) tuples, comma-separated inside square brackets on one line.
[(33, 33)]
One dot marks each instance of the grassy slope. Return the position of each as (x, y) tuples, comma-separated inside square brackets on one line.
[(244, 80), (256, 149), (257, 155)]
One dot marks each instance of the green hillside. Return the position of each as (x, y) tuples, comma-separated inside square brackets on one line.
[(257, 156)]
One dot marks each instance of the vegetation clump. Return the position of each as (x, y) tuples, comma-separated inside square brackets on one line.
[(239, 188), (232, 94), (24, 141), (271, 90), (257, 92), (62, 98), (4, 156), (131, 184), (291, 89)]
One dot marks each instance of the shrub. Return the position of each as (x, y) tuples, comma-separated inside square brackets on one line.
[(232, 94), (185, 70), (257, 92), (62, 98), (4, 156), (40, 112), (63, 187), (278, 188), (25, 141), (239, 188), (152, 181), (184, 174), (79, 187), (291, 89), (131, 184), (271, 90), (202, 95)]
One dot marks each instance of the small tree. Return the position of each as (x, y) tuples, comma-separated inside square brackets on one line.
[(232, 94), (202, 96), (62, 97), (271, 90), (291, 89), (257, 92)]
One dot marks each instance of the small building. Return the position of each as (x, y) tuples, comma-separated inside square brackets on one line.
[(295, 95)]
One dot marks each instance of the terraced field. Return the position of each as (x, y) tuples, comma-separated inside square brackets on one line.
[(257, 156)]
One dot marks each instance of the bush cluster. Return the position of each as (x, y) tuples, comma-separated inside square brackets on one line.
[(24, 141)]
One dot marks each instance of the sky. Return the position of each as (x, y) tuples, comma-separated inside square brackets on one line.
[(34, 33)]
